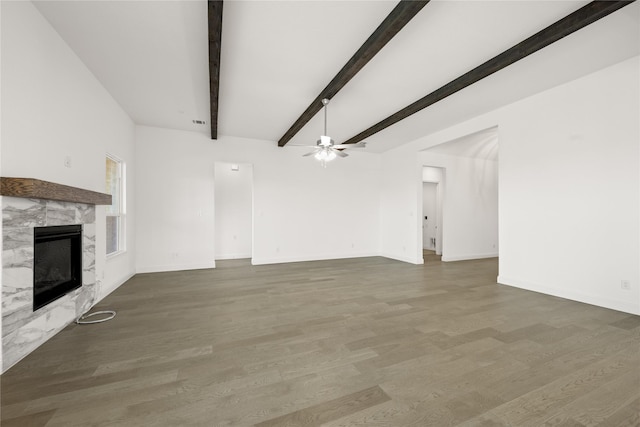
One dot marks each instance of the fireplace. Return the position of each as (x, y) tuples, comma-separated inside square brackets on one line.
[(57, 262), (27, 205)]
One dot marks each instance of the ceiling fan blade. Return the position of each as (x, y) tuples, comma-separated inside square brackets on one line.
[(358, 145), (311, 153), (339, 153)]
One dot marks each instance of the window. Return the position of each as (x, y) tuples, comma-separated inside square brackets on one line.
[(115, 181)]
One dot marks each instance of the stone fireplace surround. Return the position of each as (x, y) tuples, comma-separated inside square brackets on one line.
[(29, 203)]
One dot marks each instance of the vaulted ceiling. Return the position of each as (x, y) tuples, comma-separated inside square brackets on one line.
[(277, 57)]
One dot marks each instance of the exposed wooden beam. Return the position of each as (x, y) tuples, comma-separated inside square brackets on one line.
[(404, 11), (215, 38), (554, 32)]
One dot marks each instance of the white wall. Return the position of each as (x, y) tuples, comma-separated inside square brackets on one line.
[(569, 189), (301, 210), (431, 174), (53, 107), (175, 190), (470, 206), (233, 210), (401, 206), (1, 241)]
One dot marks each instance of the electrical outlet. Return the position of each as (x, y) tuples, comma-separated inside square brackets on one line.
[(625, 284)]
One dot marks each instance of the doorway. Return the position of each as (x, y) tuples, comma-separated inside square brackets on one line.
[(467, 178), (429, 215), (233, 211), (432, 213)]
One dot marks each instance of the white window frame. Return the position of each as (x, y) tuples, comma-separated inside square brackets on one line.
[(122, 214)]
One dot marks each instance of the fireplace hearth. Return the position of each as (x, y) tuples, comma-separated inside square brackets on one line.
[(57, 263)]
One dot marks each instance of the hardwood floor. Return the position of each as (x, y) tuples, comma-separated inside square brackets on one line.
[(360, 342)]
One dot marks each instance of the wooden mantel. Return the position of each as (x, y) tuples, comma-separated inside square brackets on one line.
[(36, 189)]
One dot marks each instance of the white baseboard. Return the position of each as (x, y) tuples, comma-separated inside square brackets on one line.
[(174, 267), (104, 292), (233, 256), (596, 300), (447, 258), (325, 257), (417, 261)]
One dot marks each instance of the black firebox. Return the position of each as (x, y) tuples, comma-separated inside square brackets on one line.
[(57, 268)]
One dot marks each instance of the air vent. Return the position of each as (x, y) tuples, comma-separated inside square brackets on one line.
[(198, 122)]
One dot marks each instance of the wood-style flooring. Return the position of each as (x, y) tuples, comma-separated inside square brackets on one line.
[(357, 342)]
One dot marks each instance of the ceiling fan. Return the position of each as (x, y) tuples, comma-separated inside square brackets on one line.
[(325, 149)]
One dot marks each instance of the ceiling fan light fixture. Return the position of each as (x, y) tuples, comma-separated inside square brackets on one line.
[(325, 141), (325, 155)]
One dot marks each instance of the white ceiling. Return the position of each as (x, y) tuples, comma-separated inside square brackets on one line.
[(482, 144), (277, 56)]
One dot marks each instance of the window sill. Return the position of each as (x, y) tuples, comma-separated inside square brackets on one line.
[(116, 254)]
